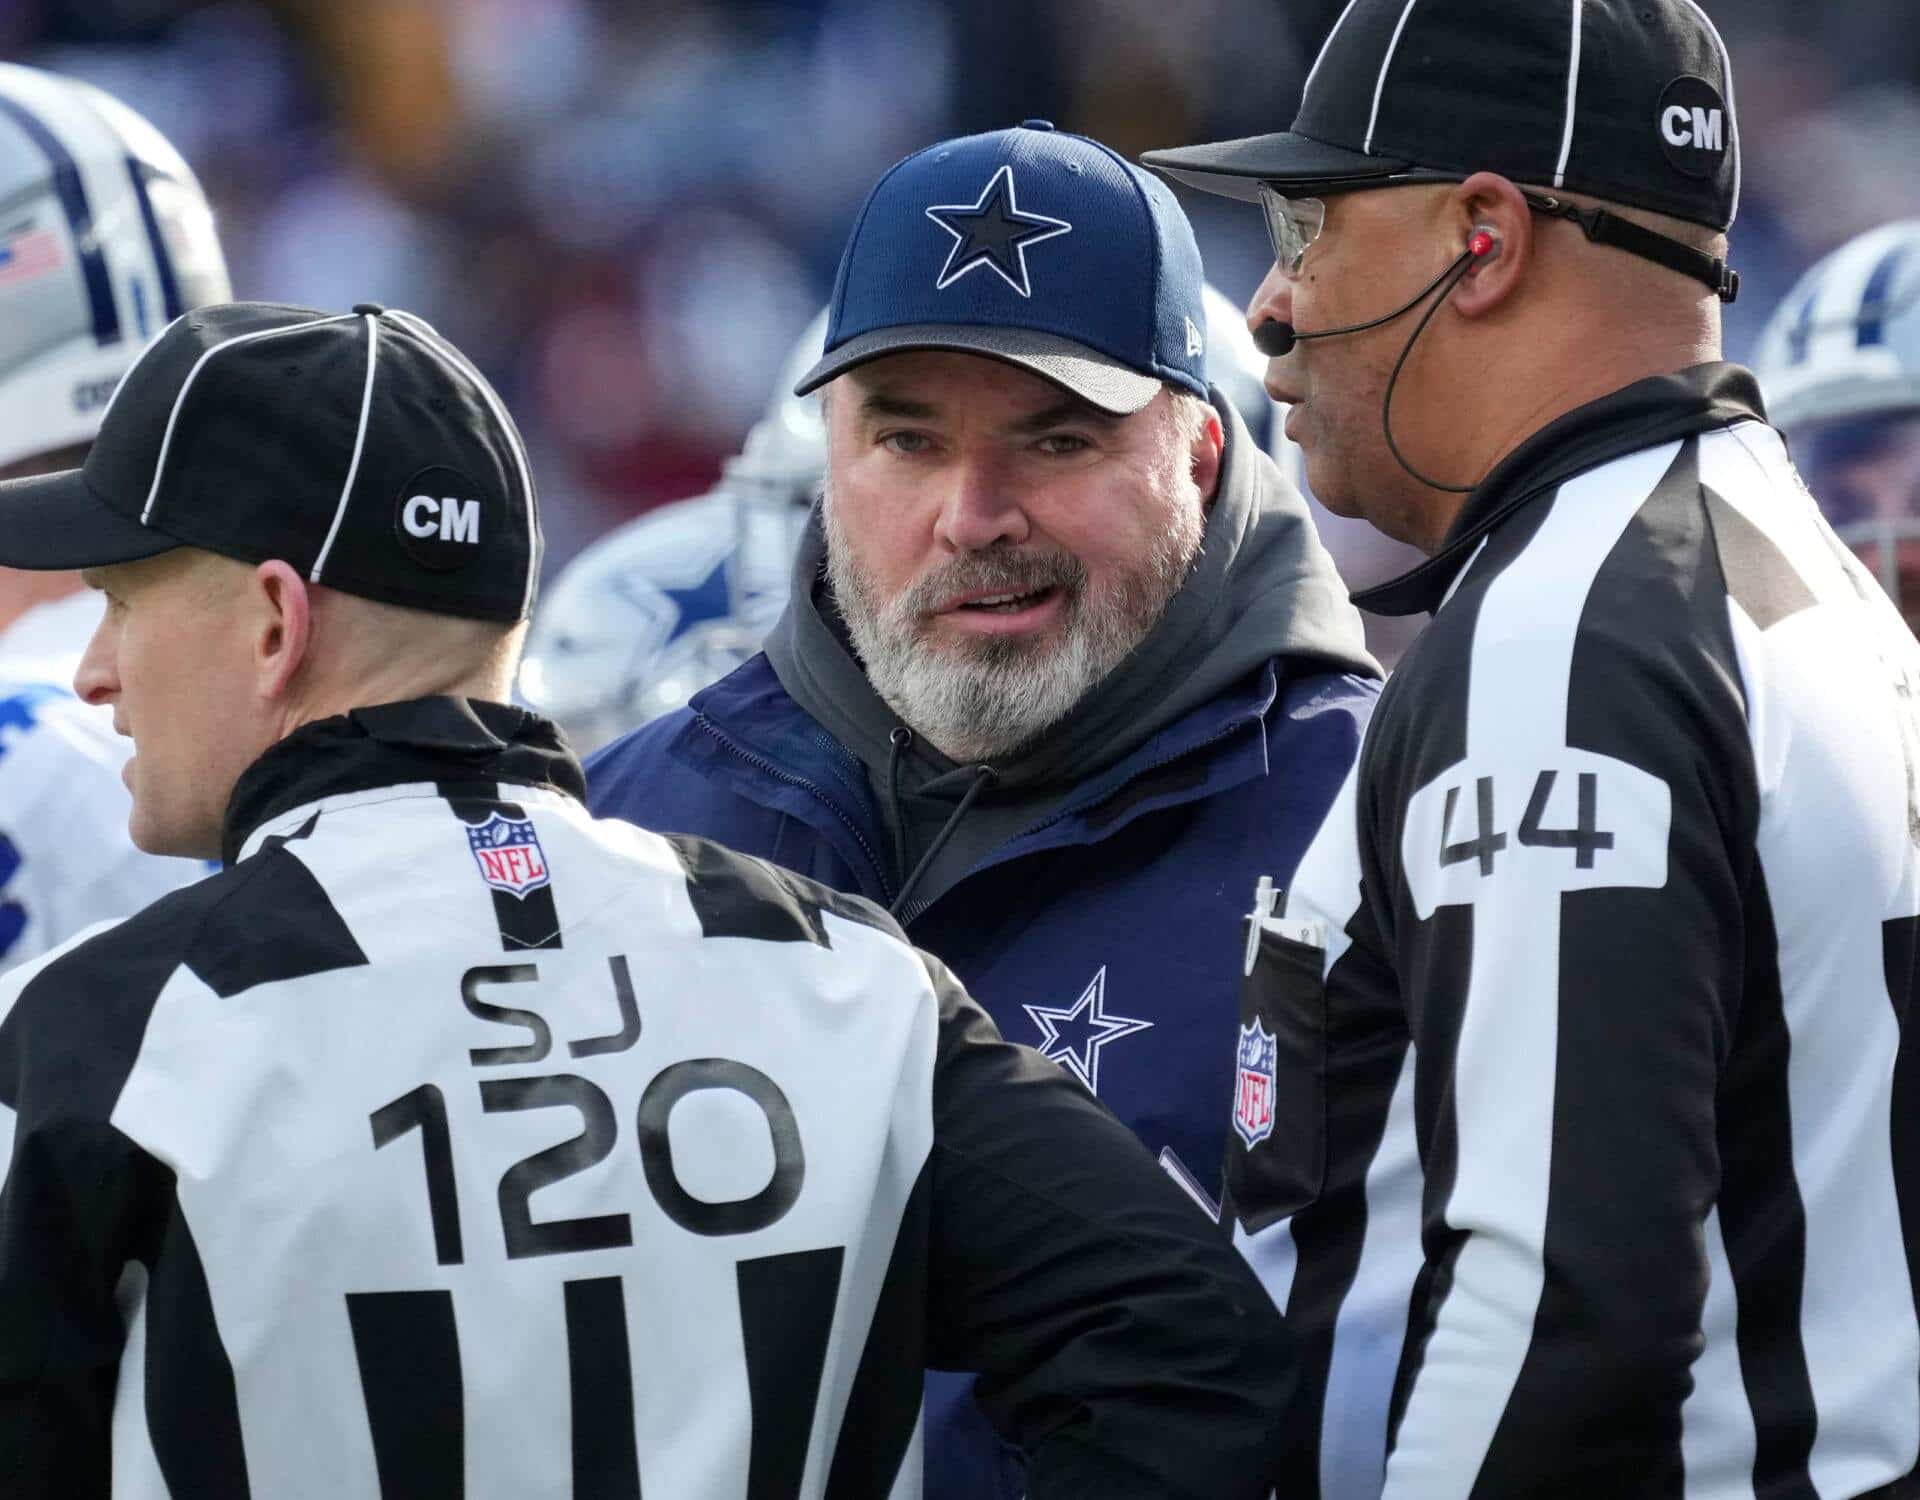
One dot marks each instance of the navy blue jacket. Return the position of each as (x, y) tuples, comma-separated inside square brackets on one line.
[(1109, 937)]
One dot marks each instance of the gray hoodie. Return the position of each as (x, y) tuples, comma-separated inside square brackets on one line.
[(1263, 587)]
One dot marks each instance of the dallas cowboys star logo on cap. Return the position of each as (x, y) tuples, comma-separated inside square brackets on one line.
[(992, 231)]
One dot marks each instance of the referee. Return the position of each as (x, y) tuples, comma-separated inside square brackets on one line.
[(1577, 1120), (451, 1143)]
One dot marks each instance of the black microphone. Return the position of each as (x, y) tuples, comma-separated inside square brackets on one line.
[(1275, 339)]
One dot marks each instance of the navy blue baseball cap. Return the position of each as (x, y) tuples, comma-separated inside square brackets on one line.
[(1033, 246)]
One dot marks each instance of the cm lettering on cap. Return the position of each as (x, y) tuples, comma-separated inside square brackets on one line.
[(1693, 126), (440, 519)]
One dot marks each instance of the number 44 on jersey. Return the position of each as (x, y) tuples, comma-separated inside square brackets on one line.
[(1583, 822)]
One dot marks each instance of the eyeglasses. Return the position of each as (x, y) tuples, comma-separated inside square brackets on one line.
[(1292, 225), (1295, 223)]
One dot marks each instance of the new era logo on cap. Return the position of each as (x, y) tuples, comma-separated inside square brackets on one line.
[(362, 448)]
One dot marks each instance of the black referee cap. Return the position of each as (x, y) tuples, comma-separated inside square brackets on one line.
[(1626, 100), (362, 448)]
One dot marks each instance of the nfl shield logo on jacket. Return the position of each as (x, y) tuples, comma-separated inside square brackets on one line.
[(1253, 1092)]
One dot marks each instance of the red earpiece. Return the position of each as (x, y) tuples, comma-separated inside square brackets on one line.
[(1482, 244)]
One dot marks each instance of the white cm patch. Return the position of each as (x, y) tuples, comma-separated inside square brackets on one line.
[(1703, 129), (450, 520)]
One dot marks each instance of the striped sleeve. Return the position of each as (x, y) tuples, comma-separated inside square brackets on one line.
[(1585, 854), (73, 1186), (94, 1241)]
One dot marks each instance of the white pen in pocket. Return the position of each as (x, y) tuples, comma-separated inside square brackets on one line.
[(1262, 919)]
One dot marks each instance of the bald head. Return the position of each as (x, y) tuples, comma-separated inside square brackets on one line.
[(208, 662), (363, 651)]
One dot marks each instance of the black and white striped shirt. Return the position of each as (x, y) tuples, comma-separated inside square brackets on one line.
[(1585, 1149), (452, 1143)]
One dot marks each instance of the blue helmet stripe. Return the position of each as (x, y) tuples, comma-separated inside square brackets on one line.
[(162, 260), (1802, 331), (73, 198), (1873, 301)]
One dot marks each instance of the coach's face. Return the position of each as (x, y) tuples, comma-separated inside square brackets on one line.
[(997, 545), (172, 656)]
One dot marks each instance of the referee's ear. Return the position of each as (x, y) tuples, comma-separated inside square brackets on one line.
[(1490, 202), (280, 624)]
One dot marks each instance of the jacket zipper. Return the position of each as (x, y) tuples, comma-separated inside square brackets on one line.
[(760, 763), (1064, 813), (1107, 796)]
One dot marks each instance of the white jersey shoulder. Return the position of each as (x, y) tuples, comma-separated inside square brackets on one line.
[(66, 861)]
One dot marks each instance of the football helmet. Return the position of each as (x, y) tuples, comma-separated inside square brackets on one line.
[(660, 607), (1839, 364), (105, 238)]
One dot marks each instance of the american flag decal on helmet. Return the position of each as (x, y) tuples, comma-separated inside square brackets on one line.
[(27, 253)]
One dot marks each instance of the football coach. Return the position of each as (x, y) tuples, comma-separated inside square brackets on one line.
[(1063, 661), (1594, 1164), (450, 1142)]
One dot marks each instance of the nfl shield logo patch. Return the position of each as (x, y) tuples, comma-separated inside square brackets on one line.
[(509, 855), (1253, 1090)]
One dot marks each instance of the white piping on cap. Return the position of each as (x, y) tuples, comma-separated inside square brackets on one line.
[(1319, 57), (460, 362), (166, 442), (359, 444), (1380, 83), (121, 384), (1573, 93), (1733, 119)]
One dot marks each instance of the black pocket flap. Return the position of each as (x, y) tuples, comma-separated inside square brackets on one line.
[(1277, 1143)]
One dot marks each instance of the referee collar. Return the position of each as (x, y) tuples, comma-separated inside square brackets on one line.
[(1642, 415), (460, 741)]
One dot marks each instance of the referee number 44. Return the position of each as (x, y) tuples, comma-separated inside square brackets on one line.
[(1585, 837), (1579, 822)]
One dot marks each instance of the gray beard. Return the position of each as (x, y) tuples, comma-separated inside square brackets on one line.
[(977, 699)]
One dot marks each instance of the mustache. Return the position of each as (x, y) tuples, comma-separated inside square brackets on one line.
[(995, 572)]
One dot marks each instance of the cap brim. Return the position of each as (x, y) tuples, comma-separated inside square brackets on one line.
[(51, 521), (1094, 377), (1235, 169)]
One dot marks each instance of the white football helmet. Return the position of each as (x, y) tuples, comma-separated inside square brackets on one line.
[(105, 238), (660, 607), (1839, 364)]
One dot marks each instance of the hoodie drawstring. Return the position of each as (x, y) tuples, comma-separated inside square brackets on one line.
[(982, 776), (900, 738)]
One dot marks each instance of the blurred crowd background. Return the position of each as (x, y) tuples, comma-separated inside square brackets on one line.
[(626, 210)]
